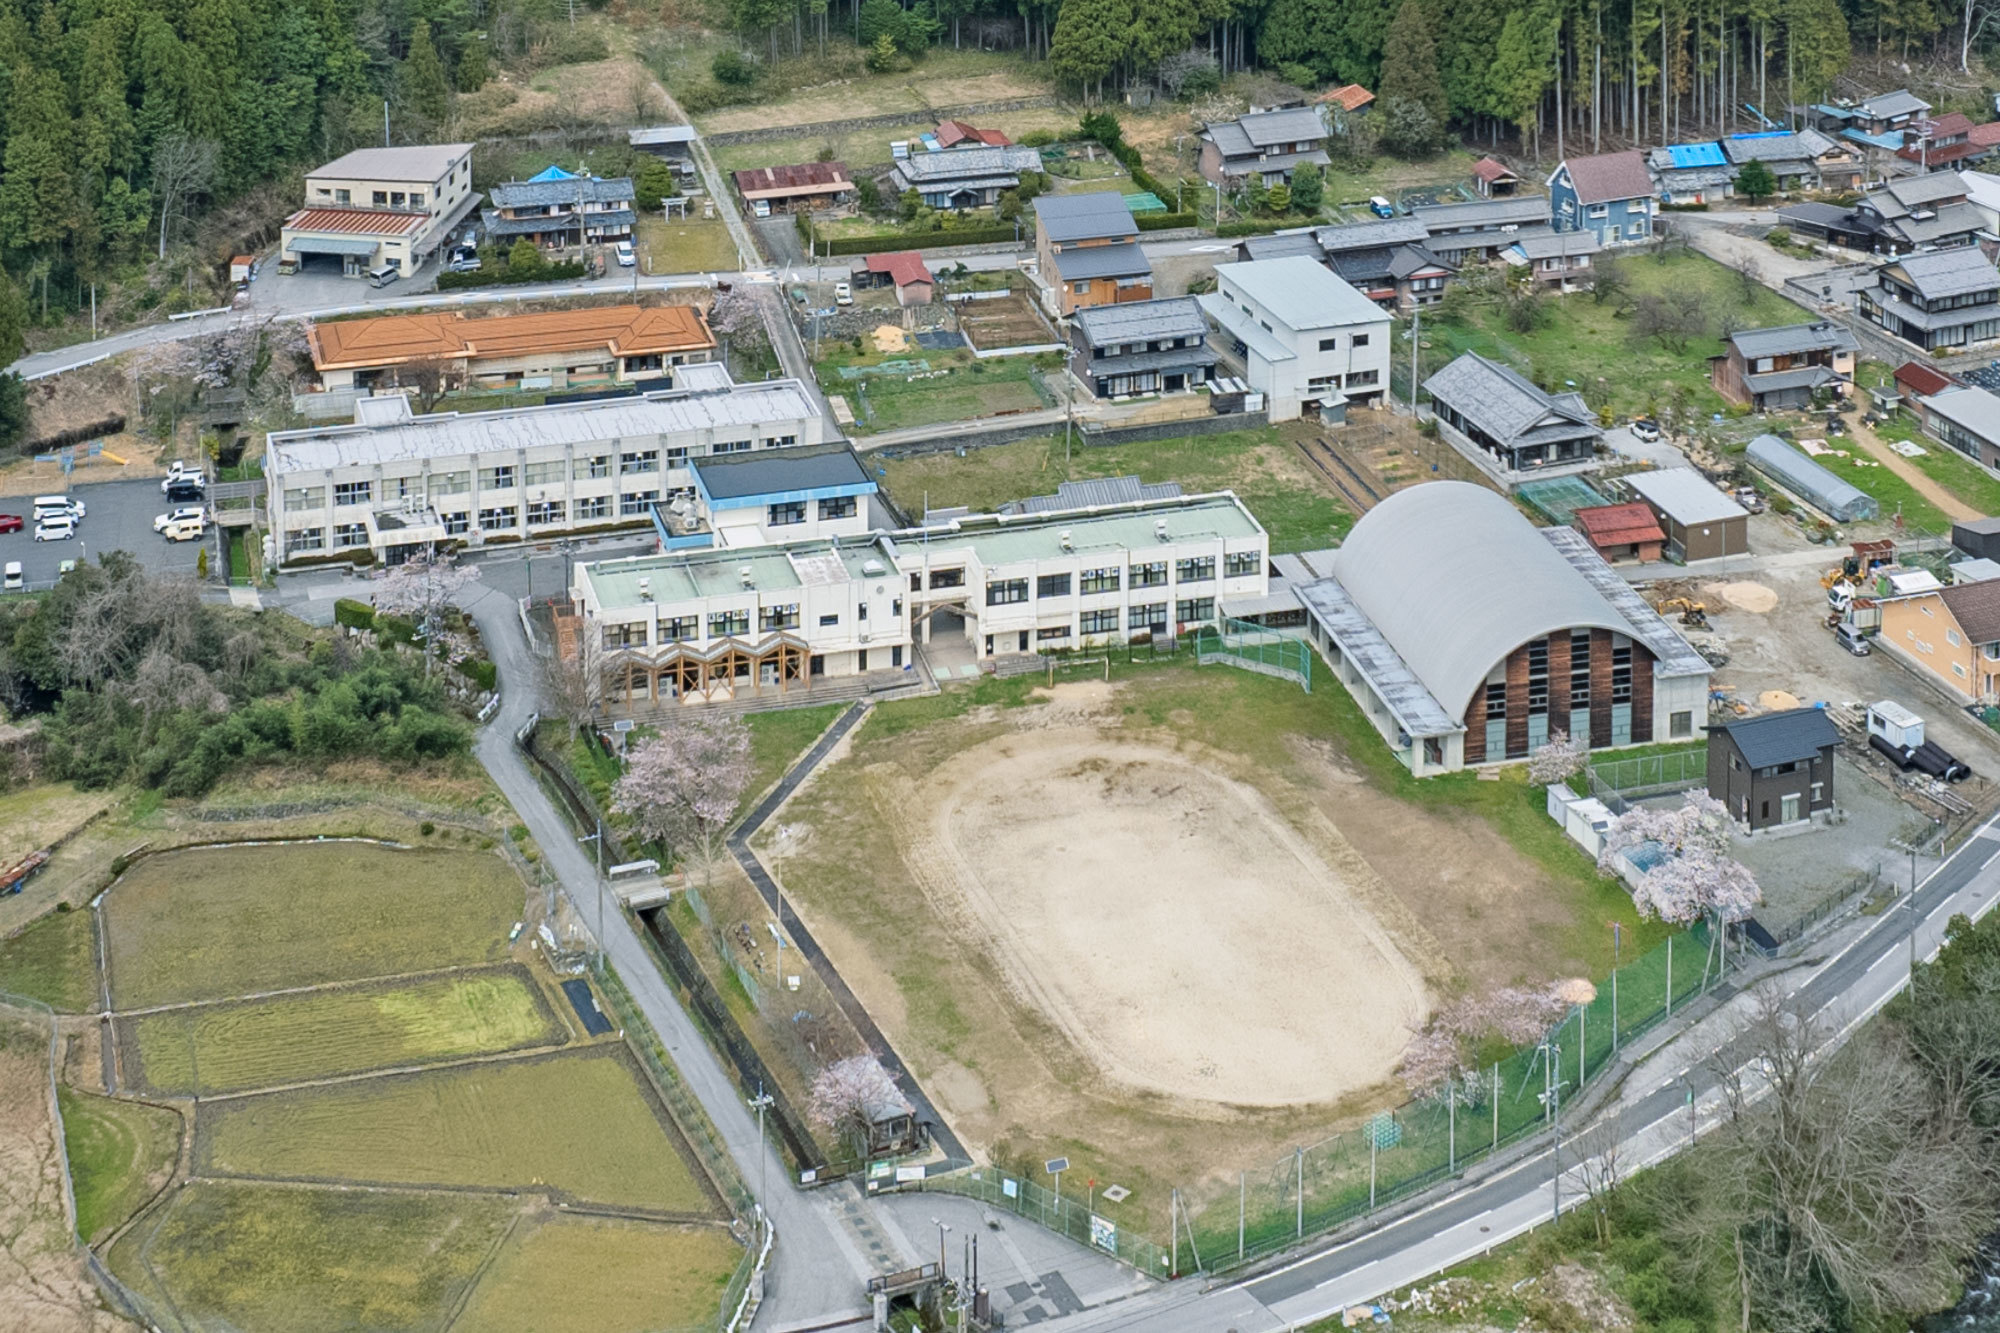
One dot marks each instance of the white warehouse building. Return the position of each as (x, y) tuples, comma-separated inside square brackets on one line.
[(394, 483), (697, 625), (1309, 343)]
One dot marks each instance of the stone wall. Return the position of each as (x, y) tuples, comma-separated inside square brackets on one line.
[(1164, 430), (830, 128)]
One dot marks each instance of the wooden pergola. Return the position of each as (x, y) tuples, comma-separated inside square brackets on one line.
[(688, 675)]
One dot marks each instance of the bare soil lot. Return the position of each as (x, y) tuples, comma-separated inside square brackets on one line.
[(1150, 908), (945, 79), (1008, 322)]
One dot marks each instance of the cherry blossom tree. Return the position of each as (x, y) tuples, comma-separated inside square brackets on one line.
[(1695, 878), (682, 786), (1558, 761), (422, 588), (843, 1093), (1437, 1058)]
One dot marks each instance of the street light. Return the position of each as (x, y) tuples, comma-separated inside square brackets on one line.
[(942, 1227)]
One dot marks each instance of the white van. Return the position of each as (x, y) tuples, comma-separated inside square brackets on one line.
[(182, 530), (13, 580), (383, 276), (47, 506), (55, 528)]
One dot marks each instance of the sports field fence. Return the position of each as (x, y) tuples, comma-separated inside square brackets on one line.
[(1283, 653), (1318, 1187)]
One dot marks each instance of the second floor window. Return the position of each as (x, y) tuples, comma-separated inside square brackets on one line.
[(778, 617), (597, 465), (787, 513), (1100, 580), (1150, 575), (723, 624), (1199, 569), (1006, 592), (1238, 564), (646, 460), (1052, 585), (353, 492), (840, 506), (496, 478)]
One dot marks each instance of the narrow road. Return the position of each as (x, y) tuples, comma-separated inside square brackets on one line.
[(816, 1273), (1920, 480)]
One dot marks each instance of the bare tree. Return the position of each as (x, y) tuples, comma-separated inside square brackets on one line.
[(682, 785), (428, 378), (183, 166), (1675, 317), (164, 684), (1597, 1159), (572, 682)]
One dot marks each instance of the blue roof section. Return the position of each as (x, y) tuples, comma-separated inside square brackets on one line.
[(1765, 134), (1696, 154), (553, 174), (1892, 142)]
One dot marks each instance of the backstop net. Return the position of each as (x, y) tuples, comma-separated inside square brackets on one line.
[(1283, 653)]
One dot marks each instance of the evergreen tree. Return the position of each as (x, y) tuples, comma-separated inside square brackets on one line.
[(1410, 64), (1756, 182), (1091, 37), (1523, 64), (13, 322), (1308, 187), (471, 72), (14, 418), (421, 78)]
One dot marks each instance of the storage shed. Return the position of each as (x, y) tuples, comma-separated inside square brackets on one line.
[(1807, 480), (1700, 521)]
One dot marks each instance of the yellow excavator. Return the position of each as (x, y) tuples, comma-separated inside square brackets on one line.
[(1693, 613)]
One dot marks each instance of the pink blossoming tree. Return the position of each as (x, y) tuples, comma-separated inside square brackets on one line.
[(681, 786)]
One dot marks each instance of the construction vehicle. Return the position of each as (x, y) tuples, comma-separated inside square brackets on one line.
[(1693, 613)]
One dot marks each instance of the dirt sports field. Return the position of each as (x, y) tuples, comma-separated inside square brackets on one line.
[(1156, 911)]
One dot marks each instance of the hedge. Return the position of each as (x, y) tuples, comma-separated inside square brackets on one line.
[(1164, 221), (481, 672), (1259, 228), (353, 614), (868, 245), (560, 272)]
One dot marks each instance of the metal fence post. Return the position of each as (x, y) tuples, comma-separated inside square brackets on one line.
[(1670, 976), (1451, 1133), (1496, 1105), (1302, 1192), (1242, 1199)]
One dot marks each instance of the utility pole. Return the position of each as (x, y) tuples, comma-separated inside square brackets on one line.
[(598, 838), (1552, 1078), (759, 1103), (1416, 337)]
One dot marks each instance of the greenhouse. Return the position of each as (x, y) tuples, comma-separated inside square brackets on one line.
[(1808, 481)]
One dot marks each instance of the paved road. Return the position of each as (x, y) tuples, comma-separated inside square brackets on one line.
[(1867, 964)]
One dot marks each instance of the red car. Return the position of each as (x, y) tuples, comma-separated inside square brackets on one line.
[(10, 522)]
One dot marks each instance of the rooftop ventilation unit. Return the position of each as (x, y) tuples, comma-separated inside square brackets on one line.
[(1160, 528), (748, 575), (645, 590), (1067, 544), (873, 568)]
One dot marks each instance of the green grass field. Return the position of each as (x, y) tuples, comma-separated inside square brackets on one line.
[(214, 924), (53, 960), (1259, 465), (583, 1124), (1947, 467), (614, 1276), (119, 1153), (286, 1260), (324, 1034), (971, 388), (1591, 343), (693, 246), (1895, 495)]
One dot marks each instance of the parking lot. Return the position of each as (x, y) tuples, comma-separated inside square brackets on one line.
[(118, 517)]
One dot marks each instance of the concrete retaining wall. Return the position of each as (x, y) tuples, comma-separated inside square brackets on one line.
[(1164, 430), (833, 127)]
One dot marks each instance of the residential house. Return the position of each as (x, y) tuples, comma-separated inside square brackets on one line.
[(1561, 260), (1943, 142), (1310, 343), (1494, 416), (1267, 146), (1784, 368), (904, 270), (1087, 251), (558, 207), (962, 178), (393, 483), (1773, 769), (1952, 634), (669, 143), (380, 208), (1474, 232), (1279, 245), (1621, 532), (1691, 173), (1878, 122), (1827, 222), (1914, 380), (1141, 347), (958, 134), (1608, 193), (1348, 99), (1790, 158), (555, 349), (1494, 179), (792, 189), (1945, 301), (1966, 418), (1982, 191), (1700, 520), (1985, 137), (1919, 213)]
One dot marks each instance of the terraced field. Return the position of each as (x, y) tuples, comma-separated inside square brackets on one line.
[(582, 1124), (287, 1039), (591, 1261)]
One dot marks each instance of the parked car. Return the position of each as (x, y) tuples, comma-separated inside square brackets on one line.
[(183, 492), (1850, 638), (843, 294), (1381, 207), (180, 474), (187, 530), (1646, 430), (463, 261), (188, 514), (57, 506), (383, 276), (55, 528), (626, 259), (10, 522), (13, 580)]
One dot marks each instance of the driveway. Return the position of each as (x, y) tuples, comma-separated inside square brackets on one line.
[(1737, 238)]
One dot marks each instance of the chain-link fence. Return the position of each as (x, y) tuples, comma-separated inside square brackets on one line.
[(1397, 1153), (1269, 652), (1615, 781), (1065, 1215)]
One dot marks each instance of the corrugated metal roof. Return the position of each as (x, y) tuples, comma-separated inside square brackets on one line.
[(1685, 496), (1089, 494), (415, 162), (1299, 293), (1822, 335), (356, 221), (775, 471), (1083, 217), (1809, 481)]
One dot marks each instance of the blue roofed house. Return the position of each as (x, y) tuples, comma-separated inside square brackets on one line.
[(1876, 123), (557, 207), (1690, 173), (1607, 193)]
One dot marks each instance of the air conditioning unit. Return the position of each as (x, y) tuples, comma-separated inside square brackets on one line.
[(1067, 544), (1160, 528), (872, 568), (645, 590), (748, 576)]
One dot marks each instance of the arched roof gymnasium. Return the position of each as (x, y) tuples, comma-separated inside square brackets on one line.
[(1455, 578)]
